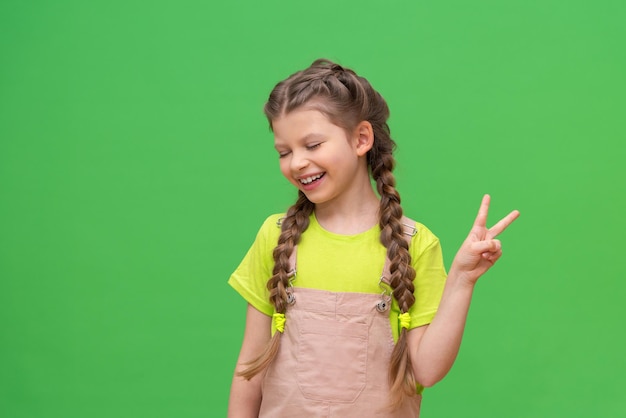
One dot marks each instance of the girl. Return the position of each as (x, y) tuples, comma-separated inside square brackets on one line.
[(342, 290)]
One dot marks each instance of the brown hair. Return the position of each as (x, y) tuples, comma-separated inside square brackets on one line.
[(346, 99)]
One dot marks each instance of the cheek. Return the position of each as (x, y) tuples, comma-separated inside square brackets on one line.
[(345, 161), (284, 167)]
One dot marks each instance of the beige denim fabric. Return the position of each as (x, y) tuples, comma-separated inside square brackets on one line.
[(333, 360)]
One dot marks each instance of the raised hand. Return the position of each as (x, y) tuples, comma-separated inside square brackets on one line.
[(480, 250)]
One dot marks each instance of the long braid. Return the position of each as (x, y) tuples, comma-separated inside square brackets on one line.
[(401, 378), (296, 221)]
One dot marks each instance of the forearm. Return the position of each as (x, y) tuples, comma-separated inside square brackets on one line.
[(435, 347), (245, 397), (439, 345)]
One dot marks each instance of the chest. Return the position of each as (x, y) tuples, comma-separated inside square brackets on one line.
[(340, 266)]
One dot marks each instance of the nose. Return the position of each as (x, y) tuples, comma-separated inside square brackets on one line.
[(298, 161)]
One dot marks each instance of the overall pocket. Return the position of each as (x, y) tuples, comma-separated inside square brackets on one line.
[(332, 360)]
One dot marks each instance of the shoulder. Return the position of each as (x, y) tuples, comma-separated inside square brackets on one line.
[(268, 233), (271, 224), (273, 221), (422, 237)]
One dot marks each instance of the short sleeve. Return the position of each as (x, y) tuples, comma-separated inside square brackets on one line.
[(430, 276), (251, 276)]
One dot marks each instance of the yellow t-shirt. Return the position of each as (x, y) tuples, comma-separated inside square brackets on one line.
[(343, 263)]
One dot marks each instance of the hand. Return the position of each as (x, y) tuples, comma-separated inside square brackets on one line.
[(480, 250)]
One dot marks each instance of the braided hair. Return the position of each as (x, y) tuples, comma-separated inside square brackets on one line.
[(346, 99)]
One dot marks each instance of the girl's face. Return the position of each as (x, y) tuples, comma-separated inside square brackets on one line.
[(317, 156)]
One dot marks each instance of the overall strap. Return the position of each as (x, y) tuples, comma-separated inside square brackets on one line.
[(292, 260), (292, 257), (409, 231)]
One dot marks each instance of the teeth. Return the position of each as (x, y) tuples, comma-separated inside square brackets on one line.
[(310, 179)]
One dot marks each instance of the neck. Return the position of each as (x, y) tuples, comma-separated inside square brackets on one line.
[(350, 216)]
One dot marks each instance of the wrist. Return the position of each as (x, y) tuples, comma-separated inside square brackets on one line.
[(459, 279)]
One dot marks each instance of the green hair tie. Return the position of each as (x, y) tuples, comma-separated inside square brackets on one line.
[(405, 320), (279, 322)]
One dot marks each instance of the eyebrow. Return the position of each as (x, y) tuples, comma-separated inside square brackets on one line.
[(312, 135), (308, 137)]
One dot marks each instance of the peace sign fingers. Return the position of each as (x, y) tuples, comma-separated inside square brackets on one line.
[(481, 218)]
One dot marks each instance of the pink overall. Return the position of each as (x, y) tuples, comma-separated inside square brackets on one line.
[(333, 360)]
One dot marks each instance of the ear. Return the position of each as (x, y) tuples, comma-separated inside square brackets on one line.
[(364, 138)]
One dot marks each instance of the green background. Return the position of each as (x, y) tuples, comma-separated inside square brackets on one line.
[(136, 167)]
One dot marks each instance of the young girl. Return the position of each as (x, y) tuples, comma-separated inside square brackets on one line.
[(349, 312)]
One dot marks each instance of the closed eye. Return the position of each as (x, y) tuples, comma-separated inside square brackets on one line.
[(282, 154), (313, 146)]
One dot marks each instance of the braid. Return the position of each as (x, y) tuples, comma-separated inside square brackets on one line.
[(401, 376), (293, 225)]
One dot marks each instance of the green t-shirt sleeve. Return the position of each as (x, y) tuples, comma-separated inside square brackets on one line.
[(251, 276), (430, 276)]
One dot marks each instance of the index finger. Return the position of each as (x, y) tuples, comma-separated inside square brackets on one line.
[(503, 223)]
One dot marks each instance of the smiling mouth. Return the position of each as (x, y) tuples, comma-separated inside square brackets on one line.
[(311, 179)]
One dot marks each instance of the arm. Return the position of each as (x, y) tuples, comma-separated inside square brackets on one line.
[(434, 347), (245, 395)]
